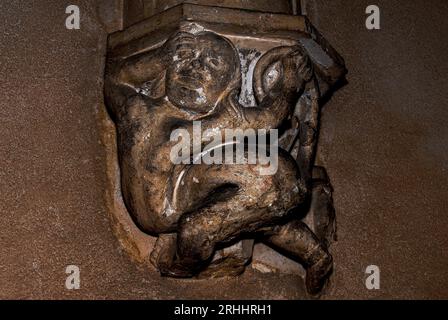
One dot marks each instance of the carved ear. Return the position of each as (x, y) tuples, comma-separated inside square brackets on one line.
[(155, 88), (269, 71)]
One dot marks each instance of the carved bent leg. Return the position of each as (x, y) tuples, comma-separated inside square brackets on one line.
[(298, 241), (309, 245), (321, 217), (238, 211), (223, 203)]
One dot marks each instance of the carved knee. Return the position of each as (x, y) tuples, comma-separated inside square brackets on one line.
[(195, 240)]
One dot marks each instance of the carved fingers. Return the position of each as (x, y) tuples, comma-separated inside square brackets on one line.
[(303, 65), (297, 69)]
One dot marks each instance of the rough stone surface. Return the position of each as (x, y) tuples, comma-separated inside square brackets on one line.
[(383, 141)]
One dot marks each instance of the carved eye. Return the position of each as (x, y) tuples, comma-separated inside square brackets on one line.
[(214, 63)]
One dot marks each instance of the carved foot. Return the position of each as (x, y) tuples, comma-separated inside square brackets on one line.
[(318, 274), (162, 256), (321, 217), (229, 262)]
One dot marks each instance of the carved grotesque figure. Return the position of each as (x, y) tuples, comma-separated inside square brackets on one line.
[(194, 209)]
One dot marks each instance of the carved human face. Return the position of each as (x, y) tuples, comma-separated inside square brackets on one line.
[(201, 70)]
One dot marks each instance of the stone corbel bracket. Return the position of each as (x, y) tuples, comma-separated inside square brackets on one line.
[(253, 33)]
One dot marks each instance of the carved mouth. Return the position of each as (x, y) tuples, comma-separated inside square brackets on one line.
[(190, 83), (187, 91)]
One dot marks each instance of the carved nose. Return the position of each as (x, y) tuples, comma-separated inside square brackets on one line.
[(195, 64)]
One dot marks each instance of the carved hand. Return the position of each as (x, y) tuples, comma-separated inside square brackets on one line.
[(297, 70)]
